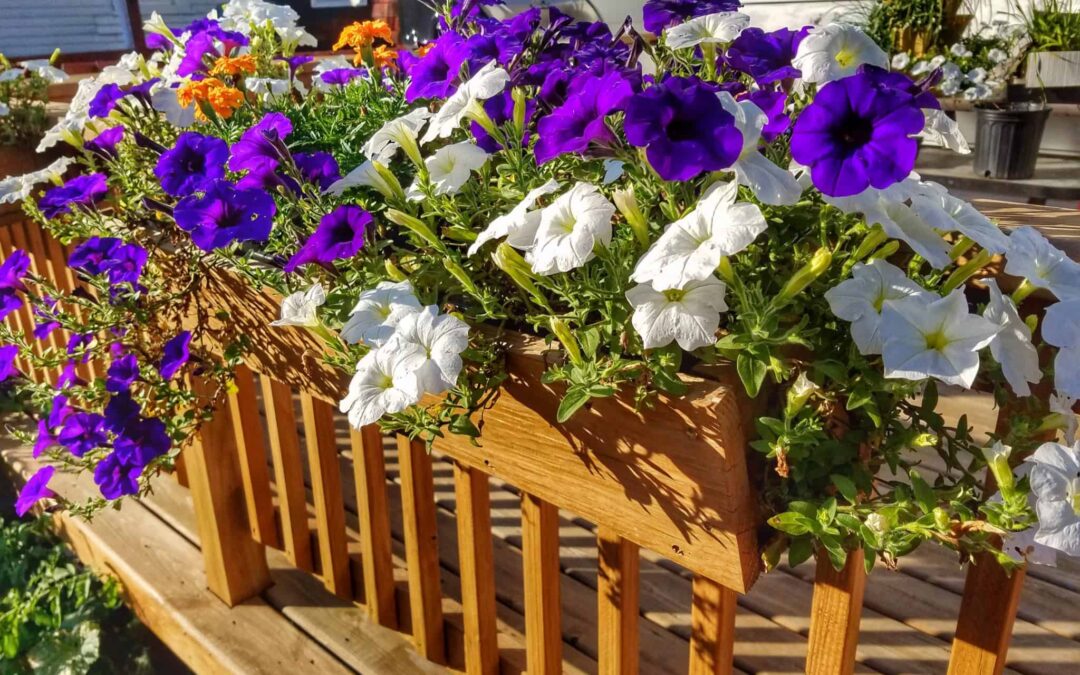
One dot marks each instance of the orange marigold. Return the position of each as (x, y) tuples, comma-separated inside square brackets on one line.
[(384, 56), (423, 49), (233, 66), (222, 98), (360, 34)]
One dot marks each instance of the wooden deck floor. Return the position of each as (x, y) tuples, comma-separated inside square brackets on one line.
[(907, 624)]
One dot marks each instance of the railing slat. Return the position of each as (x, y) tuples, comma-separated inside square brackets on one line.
[(421, 548), (326, 490), (369, 466), (244, 407), (288, 471), (477, 570), (987, 613), (617, 595), (236, 566), (834, 616), (543, 606), (712, 628)]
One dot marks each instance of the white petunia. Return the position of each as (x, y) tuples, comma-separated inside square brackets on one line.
[(920, 68), (690, 248), (520, 224), (570, 229), (269, 88), (1061, 328), (429, 346), (1063, 405), (976, 75), (689, 316), (937, 62), (381, 385), (1055, 483), (996, 55), (451, 165), (17, 188), (900, 61), (400, 132), (378, 312), (246, 15), (720, 27), (947, 213), (157, 26), (1034, 258), (834, 51), (937, 338), (861, 298), (301, 308), (1012, 347), (369, 174), (944, 131), (11, 74), (959, 50), (44, 69), (903, 223), (769, 183), (467, 101)]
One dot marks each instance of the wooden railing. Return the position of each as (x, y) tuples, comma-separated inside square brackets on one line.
[(673, 482)]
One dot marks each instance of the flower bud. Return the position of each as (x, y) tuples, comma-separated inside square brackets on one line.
[(393, 271), (799, 393), (510, 261), (965, 271), (941, 518), (567, 339), (997, 459), (627, 204), (878, 523), (520, 100), (961, 247), (874, 238), (806, 275), (886, 250), (387, 183), (54, 58), (461, 275), (416, 226), (725, 270)]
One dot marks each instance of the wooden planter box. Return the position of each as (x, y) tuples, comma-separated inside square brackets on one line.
[(1053, 70)]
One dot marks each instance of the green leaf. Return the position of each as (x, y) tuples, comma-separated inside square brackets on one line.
[(669, 382), (575, 398), (924, 494), (800, 550), (837, 553), (846, 487), (751, 371), (794, 524), (589, 340)]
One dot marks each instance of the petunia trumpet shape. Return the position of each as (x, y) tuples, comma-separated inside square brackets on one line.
[(429, 345), (519, 225), (1055, 483), (861, 298), (378, 312), (301, 308), (1012, 347), (834, 51), (688, 316), (467, 102), (570, 229), (717, 28), (382, 384), (770, 183)]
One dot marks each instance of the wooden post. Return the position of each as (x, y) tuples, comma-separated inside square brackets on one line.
[(617, 595), (235, 563), (543, 606), (477, 569), (369, 467), (244, 410), (835, 615), (987, 613), (288, 471), (712, 628)]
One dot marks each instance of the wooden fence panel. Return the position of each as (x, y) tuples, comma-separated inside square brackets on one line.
[(244, 408), (712, 628), (326, 489), (987, 613), (369, 466), (543, 606)]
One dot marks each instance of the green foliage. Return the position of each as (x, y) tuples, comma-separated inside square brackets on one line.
[(24, 98), (56, 617), (882, 20), (1054, 25)]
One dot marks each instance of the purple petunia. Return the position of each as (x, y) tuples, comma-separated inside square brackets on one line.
[(223, 214), (115, 478), (435, 74), (45, 438), (660, 14), (68, 376), (82, 432), (319, 168), (12, 271), (295, 62), (79, 191), (94, 255), (774, 105), (342, 76), (126, 264), (8, 369), (766, 57), (79, 345), (857, 134), (175, 355), (261, 149), (340, 235), (142, 441), (44, 321), (683, 127), (500, 109), (105, 100), (36, 489), (104, 144), (121, 411), (582, 119), (192, 161), (204, 43), (122, 373), (59, 411)]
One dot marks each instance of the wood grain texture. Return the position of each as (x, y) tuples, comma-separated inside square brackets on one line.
[(476, 569), (369, 469), (235, 563), (835, 615), (987, 614), (712, 628), (618, 604), (288, 463), (543, 607), (247, 427), (326, 488), (421, 548)]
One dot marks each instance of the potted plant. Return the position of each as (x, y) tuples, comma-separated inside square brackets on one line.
[(23, 119), (1054, 57), (416, 217)]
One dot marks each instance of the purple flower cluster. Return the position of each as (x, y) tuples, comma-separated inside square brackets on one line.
[(12, 272), (121, 263), (340, 235), (766, 57), (104, 144), (223, 213), (857, 133), (660, 14), (207, 42), (193, 161)]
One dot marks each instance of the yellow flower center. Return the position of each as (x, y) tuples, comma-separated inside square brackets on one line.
[(845, 57), (674, 294), (937, 341)]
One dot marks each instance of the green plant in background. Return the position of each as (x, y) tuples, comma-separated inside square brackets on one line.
[(897, 24), (1054, 25), (24, 92), (56, 616)]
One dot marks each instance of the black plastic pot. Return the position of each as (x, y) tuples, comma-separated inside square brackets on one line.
[(1007, 139)]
